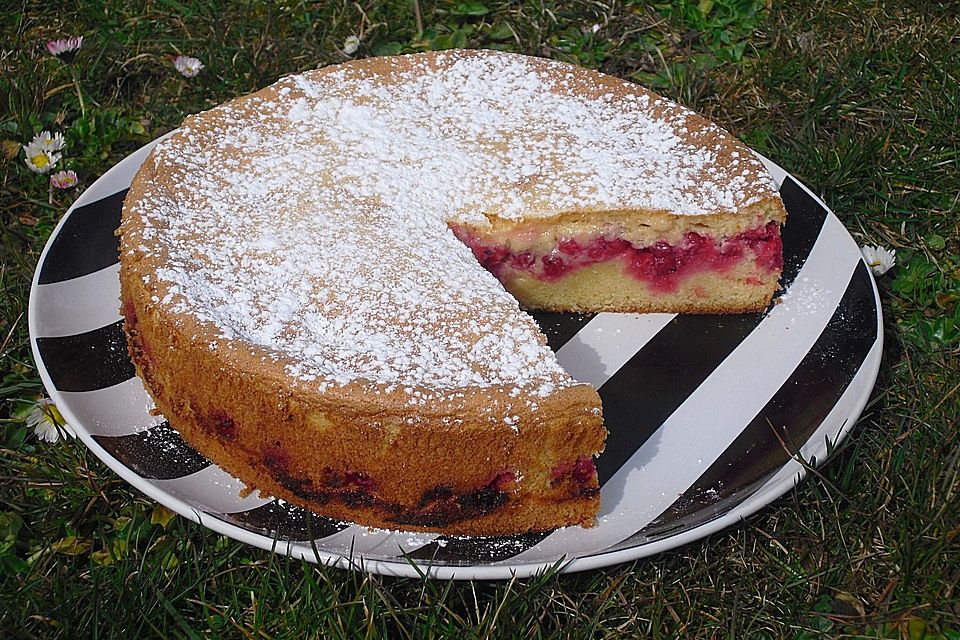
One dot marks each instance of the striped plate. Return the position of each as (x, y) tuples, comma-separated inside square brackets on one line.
[(710, 417)]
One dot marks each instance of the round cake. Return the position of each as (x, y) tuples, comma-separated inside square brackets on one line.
[(322, 281)]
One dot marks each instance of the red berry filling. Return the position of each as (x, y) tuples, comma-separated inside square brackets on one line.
[(140, 349), (336, 480), (503, 481), (767, 245), (441, 506), (579, 477), (130, 313), (661, 265), (222, 425), (276, 458), (352, 488), (438, 507), (582, 471)]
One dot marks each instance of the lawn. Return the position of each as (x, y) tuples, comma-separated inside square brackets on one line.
[(860, 100)]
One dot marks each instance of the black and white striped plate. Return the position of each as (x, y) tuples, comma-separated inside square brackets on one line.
[(710, 417)]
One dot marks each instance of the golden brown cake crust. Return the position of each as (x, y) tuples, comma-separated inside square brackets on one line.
[(388, 394)]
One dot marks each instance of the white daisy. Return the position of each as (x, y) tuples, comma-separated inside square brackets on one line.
[(39, 159), (187, 66), (350, 45), (65, 47), (879, 259), (46, 421), (49, 142)]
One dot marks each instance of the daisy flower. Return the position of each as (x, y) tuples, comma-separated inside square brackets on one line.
[(350, 45), (65, 48), (187, 66), (64, 179), (48, 142), (42, 152), (39, 159), (879, 259), (46, 421)]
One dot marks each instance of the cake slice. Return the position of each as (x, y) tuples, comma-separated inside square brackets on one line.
[(322, 281), (635, 261)]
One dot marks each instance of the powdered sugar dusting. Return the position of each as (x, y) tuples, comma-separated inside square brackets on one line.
[(311, 219), (804, 299)]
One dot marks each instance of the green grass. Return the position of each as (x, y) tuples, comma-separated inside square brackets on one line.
[(860, 99)]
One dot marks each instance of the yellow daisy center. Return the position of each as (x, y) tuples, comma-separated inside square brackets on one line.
[(40, 160)]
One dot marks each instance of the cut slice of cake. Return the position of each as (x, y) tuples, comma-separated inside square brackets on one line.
[(307, 287), (663, 263)]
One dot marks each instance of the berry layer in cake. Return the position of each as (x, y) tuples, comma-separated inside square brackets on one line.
[(321, 280)]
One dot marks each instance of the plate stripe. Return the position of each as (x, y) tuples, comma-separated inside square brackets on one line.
[(288, 523), (114, 411), (560, 327), (788, 420), (658, 379), (212, 490), (83, 303), (805, 220), (712, 511), (821, 443), (688, 349), (607, 342), (477, 549), (358, 541), (158, 453), (681, 356), (86, 242), (87, 361)]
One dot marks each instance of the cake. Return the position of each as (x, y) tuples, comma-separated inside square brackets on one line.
[(324, 283)]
